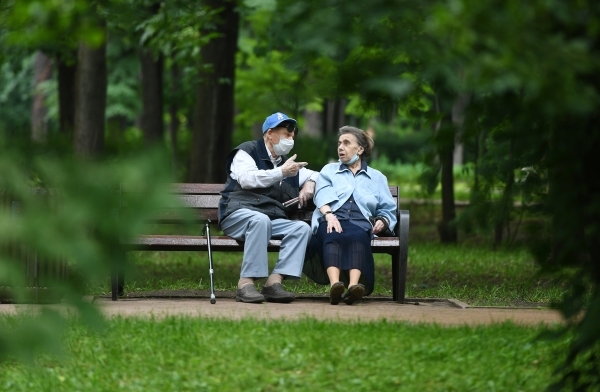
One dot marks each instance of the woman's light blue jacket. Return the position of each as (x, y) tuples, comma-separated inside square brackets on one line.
[(336, 183)]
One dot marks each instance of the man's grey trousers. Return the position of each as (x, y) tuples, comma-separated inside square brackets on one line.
[(256, 229)]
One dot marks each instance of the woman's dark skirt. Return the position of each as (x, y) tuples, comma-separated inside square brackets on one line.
[(350, 249)]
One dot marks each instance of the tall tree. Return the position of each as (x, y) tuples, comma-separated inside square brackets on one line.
[(174, 118), (42, 71), (444, 136), (152, 97), (90, 100), (214, 108), (152, 91), (67, 71)]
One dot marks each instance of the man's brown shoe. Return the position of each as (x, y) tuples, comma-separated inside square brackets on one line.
[(249, 294), (276, 293)]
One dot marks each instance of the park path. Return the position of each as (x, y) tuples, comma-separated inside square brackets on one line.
[(443, 313)]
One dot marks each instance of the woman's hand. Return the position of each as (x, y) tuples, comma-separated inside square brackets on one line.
[(333, 223)]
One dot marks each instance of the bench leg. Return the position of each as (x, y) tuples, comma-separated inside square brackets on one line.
[(117, 275), (114, 282), (117, 283), (400, 259), (398, 279)]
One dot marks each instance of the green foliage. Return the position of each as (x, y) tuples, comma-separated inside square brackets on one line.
[(529, 72), (33, 23), (305, 355), (527, 69), (16, 80), (75, 217)]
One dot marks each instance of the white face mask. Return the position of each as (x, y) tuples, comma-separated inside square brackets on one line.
[(284, 146)]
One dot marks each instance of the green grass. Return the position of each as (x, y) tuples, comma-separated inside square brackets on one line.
[(408, 177), (479, 276), (474, 274), (186, 354)]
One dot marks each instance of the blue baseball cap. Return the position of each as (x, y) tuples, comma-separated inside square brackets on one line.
[(275, 119)]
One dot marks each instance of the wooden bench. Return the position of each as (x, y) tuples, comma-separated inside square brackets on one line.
[(203, 200)]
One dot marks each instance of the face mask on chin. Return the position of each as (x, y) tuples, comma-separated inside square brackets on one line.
[(283, 147), (353, 160)]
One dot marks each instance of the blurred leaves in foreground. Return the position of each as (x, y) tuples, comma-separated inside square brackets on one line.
[(69, 210)]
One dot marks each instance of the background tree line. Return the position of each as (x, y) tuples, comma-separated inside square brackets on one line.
[(512, 87)]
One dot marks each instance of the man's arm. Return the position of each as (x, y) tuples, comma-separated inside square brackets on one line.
[(308, 180), (249, 176)]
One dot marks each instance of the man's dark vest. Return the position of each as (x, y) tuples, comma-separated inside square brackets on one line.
[(266, 200)]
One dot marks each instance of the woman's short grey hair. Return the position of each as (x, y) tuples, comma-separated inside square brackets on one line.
[(363, 138)]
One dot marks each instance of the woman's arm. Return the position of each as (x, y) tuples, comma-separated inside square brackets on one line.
[(386, 207)]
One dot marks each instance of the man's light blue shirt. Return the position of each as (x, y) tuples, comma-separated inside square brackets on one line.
[(336, 183)]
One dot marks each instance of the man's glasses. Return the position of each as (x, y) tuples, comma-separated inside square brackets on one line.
[(291, 127)]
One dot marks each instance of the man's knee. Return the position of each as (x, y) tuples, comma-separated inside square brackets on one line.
[(260, 221), (303, 230)]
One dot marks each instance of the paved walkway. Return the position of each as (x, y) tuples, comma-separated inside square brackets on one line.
[(441, 312)]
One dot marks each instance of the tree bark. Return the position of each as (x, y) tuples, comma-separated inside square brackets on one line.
[(313, 124), (67, 72), (458, 119), (90, 102), (446, 228), (174, 118), (152, 97), (214, 109), (334, 115), (42, 71), (446, 135)]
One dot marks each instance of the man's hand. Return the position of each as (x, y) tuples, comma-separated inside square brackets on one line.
[(290, 168), (306, 193), (378, 227)]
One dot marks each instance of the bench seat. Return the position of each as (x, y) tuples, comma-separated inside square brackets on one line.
[(203, 201)]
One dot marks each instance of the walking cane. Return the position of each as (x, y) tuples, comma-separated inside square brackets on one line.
[(213, 299)]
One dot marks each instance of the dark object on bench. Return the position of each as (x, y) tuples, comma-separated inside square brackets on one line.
[(203, 199)]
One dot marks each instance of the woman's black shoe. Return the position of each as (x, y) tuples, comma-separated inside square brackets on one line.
[(354, 294), (335, 293)]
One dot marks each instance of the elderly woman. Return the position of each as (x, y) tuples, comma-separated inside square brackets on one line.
[(354, 203)]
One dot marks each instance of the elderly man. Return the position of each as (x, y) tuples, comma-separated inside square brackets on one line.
[(260, 179)]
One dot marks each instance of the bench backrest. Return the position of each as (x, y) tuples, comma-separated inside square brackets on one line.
[(203, 200)]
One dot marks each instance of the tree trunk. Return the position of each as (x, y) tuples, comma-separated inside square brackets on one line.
[(214, 109), (42, 71), (90, 102), (313, 125), (67, 72), (446, 228), (152, 98), (174, 118), (445, 136), (458, 118), (334, 115)]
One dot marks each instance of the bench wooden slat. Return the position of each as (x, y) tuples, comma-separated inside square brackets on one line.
[(224, 243), (196, 189), (211, 189)]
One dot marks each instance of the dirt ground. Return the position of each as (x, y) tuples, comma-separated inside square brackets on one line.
[(441, 311)]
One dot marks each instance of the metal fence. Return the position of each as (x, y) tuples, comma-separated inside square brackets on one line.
[(41, 275)]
